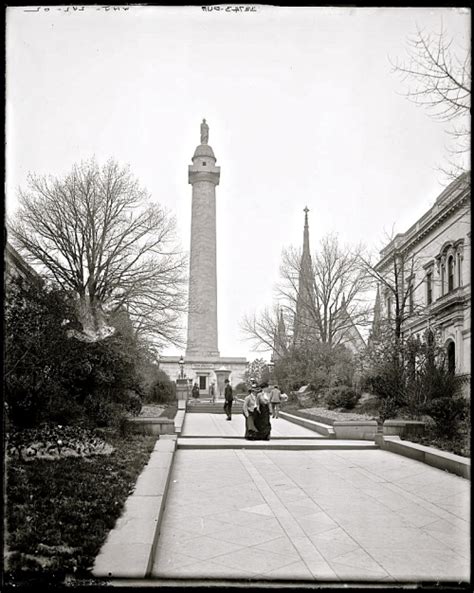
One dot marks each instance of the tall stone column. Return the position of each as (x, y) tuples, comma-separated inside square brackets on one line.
[(202, 316)]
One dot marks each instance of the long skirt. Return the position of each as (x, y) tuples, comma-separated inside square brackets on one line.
[(262, 422), (251, 433)]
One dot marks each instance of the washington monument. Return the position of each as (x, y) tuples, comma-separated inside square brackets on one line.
[(202, 317)]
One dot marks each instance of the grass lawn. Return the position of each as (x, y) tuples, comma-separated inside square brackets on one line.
[(60, 512)]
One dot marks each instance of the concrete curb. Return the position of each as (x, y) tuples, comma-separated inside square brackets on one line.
[(318, 427), (179, 421), (129, 549), (450, 462)]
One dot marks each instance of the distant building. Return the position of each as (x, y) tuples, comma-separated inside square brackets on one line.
[(438, 283)]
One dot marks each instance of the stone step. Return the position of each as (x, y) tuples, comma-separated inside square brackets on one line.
[(211, 408), (286, 445)]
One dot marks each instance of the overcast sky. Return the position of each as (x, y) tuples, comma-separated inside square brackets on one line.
[(302, 106)]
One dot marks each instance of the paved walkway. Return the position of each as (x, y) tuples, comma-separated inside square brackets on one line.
[(209, 425), (320, 515)]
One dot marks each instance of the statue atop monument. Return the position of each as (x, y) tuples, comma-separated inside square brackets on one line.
[(204, 132)]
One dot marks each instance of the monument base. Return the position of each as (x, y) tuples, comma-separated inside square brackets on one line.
[(204, 370)]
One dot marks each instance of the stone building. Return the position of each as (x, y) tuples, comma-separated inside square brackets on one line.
[(202, 362), (434, 257)]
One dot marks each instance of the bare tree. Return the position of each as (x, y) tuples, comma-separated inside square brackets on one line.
[(397, 287), (439, 78), (261, 329), (333, 295), (97, 235), (330, 299)]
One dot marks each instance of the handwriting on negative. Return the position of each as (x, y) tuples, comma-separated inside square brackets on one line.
[(75, 8), (229, 8)]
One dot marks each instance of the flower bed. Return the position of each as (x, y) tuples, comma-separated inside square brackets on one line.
[(60, 512), (54, 442), (151, 411)]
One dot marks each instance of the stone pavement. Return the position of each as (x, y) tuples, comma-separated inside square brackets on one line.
[(337, 515), (213, 425)]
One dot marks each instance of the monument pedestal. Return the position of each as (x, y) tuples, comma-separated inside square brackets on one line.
[(182, 389)]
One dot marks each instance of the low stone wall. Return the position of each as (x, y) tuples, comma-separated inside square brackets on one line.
[(129, 549), (179, 421), (403, 428), (318, 427), (152, 426), (365, 430), (455, 464)]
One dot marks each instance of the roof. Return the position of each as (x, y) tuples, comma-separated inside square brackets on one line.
[(204, 150)]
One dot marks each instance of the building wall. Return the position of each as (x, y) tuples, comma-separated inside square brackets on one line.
[(194, 368), (431, 245)]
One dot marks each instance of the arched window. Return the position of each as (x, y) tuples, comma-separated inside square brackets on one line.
[(429, 288), (450, 273), (459, 269), (451, 357)]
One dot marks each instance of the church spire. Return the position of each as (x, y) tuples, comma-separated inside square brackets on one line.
[(280, 341), (305, 301)]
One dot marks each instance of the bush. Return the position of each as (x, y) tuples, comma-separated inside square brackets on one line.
[(241, 388), (134, 403), (163, 390), (102, 412), (448, 413), (341, 396)]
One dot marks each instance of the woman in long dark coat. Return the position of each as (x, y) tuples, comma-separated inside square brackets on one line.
[(262, 416)]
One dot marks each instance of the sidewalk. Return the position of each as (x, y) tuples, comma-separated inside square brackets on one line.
[(318, 515), (213, 425)]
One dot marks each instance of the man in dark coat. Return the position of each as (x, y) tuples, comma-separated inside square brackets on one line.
[(229, 398)]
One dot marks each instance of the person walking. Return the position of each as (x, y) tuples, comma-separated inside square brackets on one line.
[(275, 401), (229, 398), (195, 391), (212, 392)]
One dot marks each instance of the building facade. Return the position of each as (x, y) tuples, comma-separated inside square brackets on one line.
[(435, 258)]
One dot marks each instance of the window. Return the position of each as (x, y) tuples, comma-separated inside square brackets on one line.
[(442, 280), (429, 288), (451, 358), (411, 302), (204, 163), (459, 269), (450, 273), (202, 382)]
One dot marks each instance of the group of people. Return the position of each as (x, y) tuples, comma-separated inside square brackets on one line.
[(261, 402)]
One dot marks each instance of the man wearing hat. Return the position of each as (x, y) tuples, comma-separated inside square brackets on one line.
[(229, 398)]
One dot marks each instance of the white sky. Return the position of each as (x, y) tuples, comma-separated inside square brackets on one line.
[(302, 106)]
